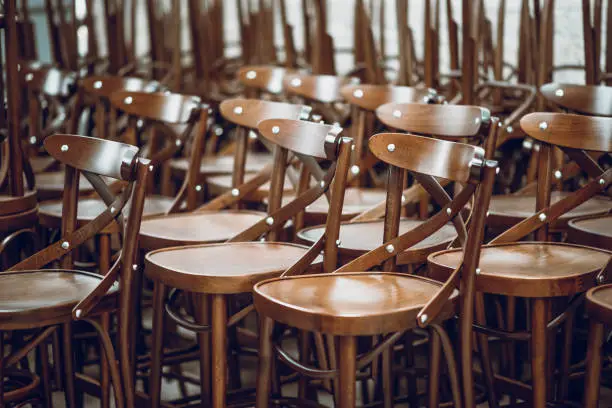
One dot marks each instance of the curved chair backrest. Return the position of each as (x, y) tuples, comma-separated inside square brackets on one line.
[(452, 121), (49, 82), (249, 112), (264, 78), (318, 88), (369, 97), (585, 99), (103, 86)]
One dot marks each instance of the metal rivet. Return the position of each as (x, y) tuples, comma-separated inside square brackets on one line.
[(355, 169), (601, 279), (543, 125), (235, 192), (509, 129), (403, 198), (252, 135), (423, 318), (542, 217), (390, 248), (269, 220), (559, 93), (178, 142), (558, 174), (251, 75), (65, 245), (477, 271), (488, 212), (448, 211), (238, 110), (391, 147), (219, 131), (602, 181), (338, 242), (78, 313), (140, 123), (397, 114), (527, 144), (476, 120), (497, 170), (134, 267), (29, 76), (128, 100), (322, 183), (64, 148), (275, 130), (33, 139), (198, 187), (295, 82), (112, 210), (151, 168), (97, 85), (358, 93), (352, 147)]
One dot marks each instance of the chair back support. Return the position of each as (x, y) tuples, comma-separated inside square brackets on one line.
[(452, 121), (317, 88), (263, 78), (585, 99), (250, 112)]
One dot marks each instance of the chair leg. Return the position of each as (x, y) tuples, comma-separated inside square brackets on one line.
[(347, 351), (219, 350), (593, 365), (1, 368), (105, 322), (434, 369), (43, 350), (568, 336), (203, 316), (69, 377), (387, 377), (539, 352), (157, 344), (264, 368)]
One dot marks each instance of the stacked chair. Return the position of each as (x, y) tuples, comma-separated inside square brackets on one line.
[(187, 221)]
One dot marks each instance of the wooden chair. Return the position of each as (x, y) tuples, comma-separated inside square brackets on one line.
[(446, 121), (220, 219), (212, 273), (542, 272), (588, 100), (264, 80), (46, 300), (349, 303)]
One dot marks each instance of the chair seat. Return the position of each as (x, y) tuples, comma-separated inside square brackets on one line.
[(30, 299), (599, 303), (220, 184), (222, 164), (50, 185), (195, 228), (222, 268), (592, 231), (528, 269), (507, 210), (360, 237), (356, 201), (50, 213), (365, 303)]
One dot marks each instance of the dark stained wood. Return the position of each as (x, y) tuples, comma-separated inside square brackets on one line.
[(370, 97), (263, 77), (586, 99), (249, 112), (163, 107), (320, 88), (593, 231)]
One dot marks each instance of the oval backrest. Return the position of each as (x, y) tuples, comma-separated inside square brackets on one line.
[(439, 120), (103, 157), (264, 77), (370, 97), (249, 112), (438, 158), (50, 81), (104, 86), (319, 88), (586, 99), (169, 108), (307, 138), (569, 130)]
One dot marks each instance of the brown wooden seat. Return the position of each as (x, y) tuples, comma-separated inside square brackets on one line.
[(508, 210), (595, 231), (358, 238), (195, 228), (350, 304)]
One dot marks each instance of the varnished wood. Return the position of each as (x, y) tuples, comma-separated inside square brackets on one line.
[(585, 99), (320, 88), (592, 231), (264, 78), (370, 97)]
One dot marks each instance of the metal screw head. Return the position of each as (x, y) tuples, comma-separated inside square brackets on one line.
[(397, 114), (252, 135), (295, 82), (128, 100), (601, 279), (178, 142), (33, 139), (391, 147), (29, 76), (198, 187), (322, 183), (602, 181), (112, 210), (78, 313), (448, 211), (238, 110), (477, 271), (358, 93), (275, 130), (558, 174), (559, 92), (477, 120), (65, 245), (235, 192), (64, 148), (151, 167), (543, 126), (355, 169), (218, 131), (423, 318), (269, 220), (403, 198), (390, 248), (509, 129), (134, 267), (338, 242), (542, 217), (97, 85), (251, 75)]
